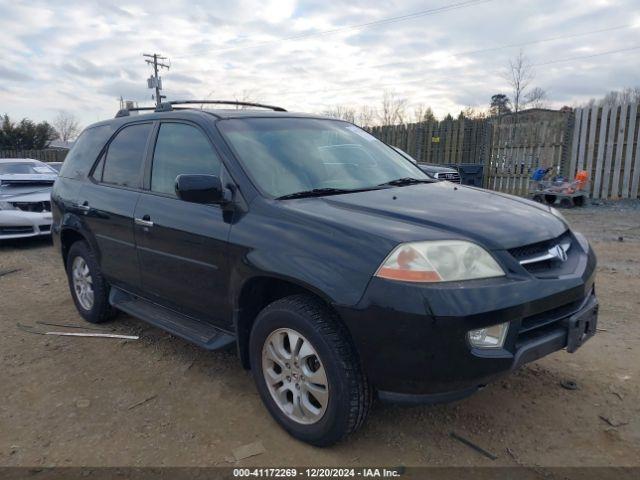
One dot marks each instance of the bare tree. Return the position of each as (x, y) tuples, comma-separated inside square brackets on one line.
[(245, 96), (66, 124), (343, 112), (366, 116), (617, 97), (519, 74), (423, 113), (473, 113), (536, 98), (392, 109)]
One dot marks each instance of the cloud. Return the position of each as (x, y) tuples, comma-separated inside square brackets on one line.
[(181, 77), (303, 54), (15, 75), (85, 68)]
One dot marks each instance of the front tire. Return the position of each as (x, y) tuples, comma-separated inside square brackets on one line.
[(307, 370), (89, 289)]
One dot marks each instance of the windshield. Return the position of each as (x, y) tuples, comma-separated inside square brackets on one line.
[(284, 156), (30, 168)]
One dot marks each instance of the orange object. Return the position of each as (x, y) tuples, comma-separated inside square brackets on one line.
[(581, 179)]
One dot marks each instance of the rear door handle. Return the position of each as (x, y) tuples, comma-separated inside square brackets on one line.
[(84, 207), (144, 221)]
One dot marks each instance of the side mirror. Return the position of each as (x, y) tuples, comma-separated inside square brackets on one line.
[(206, 189)]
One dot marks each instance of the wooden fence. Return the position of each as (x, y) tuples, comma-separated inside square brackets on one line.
[(601, 140), (605, 144), (449, 142), (522, 144), (48, 155)]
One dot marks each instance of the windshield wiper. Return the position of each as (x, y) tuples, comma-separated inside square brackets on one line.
[(316, 192), (400, 182)]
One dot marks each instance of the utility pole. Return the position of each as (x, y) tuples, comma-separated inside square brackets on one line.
[(155, 81)]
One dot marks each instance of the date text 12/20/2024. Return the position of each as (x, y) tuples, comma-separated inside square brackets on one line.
[(318, 472)]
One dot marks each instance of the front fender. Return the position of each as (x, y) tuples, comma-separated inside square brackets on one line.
[(329, 258)]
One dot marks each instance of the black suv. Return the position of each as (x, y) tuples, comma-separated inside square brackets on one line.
[(337, 267)]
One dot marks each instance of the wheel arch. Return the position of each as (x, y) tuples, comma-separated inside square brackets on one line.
[(70, 235), (254, 295)]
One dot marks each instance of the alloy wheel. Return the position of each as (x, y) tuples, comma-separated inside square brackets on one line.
[(295, 376), (82, 283)]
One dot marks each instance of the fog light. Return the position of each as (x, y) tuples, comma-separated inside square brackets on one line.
[(490, 337)]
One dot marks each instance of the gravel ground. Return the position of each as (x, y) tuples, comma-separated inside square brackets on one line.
[(160, 401)]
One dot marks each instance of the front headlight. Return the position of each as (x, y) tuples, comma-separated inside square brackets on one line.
[(6, 206), (439, 261), (490, 337)]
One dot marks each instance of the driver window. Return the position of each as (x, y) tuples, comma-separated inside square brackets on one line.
[(181, 149)]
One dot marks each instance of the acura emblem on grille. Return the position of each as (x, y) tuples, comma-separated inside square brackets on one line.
[(559, 253)]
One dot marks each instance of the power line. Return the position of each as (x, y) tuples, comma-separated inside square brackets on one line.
[(610, 52), (570, 59), (513, 45), (508, 45), (544, 40), (375, 23)]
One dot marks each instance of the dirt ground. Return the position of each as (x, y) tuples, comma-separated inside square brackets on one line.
[(160, 401)]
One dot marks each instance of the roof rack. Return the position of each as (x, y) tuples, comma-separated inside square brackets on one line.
[(124, 112), (168, 106)]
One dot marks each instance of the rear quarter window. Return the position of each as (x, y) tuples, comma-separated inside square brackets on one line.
[(84, 152), (125, 155)]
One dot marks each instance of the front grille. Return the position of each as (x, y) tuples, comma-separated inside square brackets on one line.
[(45, 228), (37, 207), (532, 256), (543, 322), (15, 230), (450, 177), (520, 253)]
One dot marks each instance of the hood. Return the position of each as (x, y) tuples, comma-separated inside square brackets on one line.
[(427, 167), (25, 193), (440, 210)]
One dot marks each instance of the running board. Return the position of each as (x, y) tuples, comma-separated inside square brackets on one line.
[(202, 334)]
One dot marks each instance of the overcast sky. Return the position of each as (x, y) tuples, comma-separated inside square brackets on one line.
[(82, 56)]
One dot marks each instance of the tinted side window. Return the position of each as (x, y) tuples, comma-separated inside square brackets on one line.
[(84, 152), (181, 149), (125, 155)]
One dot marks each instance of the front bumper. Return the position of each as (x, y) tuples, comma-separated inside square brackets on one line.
[(21, 224), (412, 339)]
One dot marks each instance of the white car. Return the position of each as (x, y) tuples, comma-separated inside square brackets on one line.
[(25, 198), (55, 165)]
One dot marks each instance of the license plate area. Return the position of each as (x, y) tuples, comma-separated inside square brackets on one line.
[(582, 326)]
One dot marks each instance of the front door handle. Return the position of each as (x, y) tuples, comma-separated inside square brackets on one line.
[(84, 207), (144, 221)]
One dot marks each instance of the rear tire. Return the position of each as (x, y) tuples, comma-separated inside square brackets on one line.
[(323, 340), (566, 203), (89, 289)]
